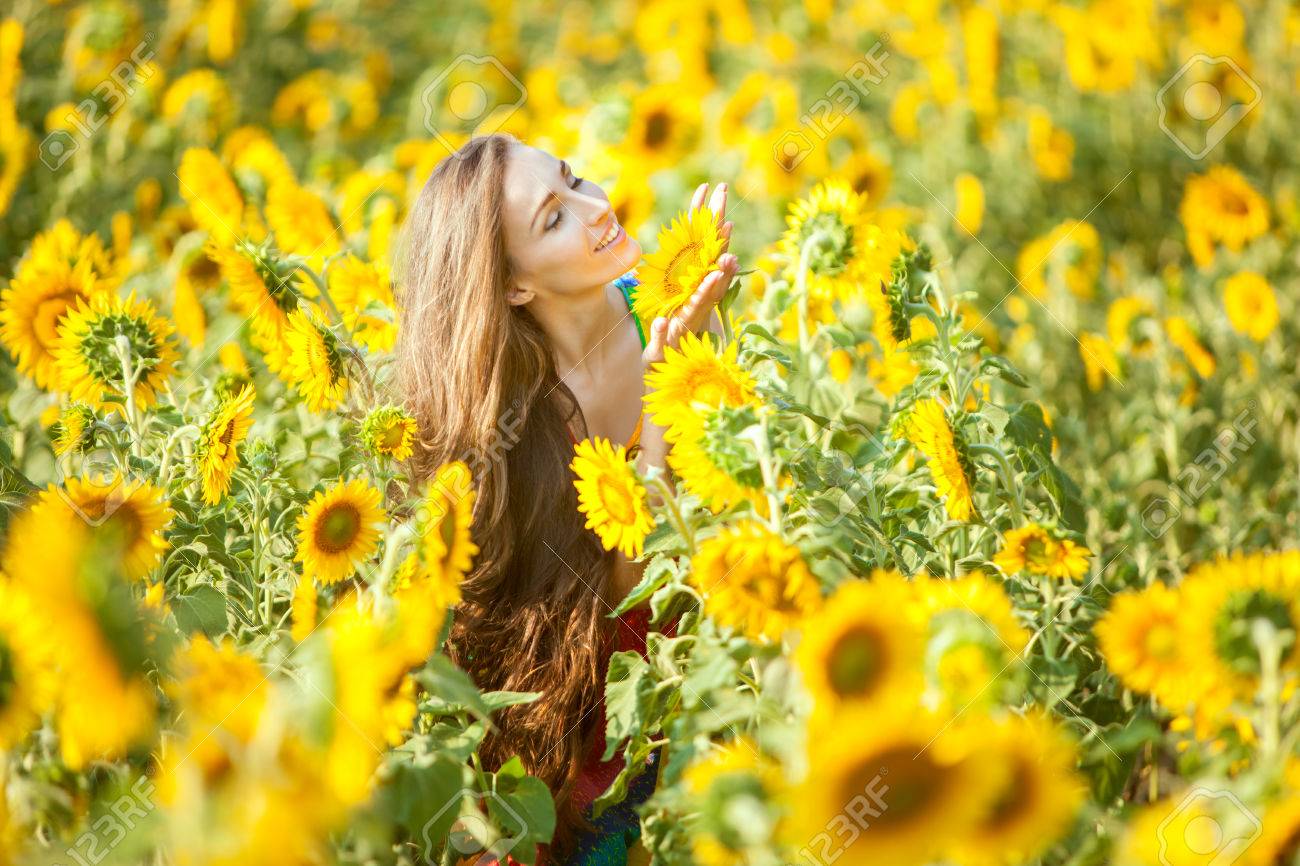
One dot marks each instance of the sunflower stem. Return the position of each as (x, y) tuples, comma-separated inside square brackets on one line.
[(1265, 636), (129, 374), (801, 284), (768, 468), (1005, 471), (675, 513)]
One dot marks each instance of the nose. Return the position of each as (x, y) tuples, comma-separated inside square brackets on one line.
[(595, 210)]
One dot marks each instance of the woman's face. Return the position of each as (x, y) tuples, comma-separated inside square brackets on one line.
[(561, 232)]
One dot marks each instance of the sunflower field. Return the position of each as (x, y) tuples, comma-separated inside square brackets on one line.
[(978, 538)]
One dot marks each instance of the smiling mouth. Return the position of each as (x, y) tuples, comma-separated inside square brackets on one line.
[(611, 234)]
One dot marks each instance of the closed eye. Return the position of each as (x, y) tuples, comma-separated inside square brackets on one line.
[(558, 214)]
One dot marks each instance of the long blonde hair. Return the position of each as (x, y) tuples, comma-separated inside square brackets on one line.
[(532, 616)]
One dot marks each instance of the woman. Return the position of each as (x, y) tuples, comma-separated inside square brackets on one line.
[(510, 319)]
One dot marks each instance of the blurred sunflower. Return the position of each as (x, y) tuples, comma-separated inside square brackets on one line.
[(1222, 599), (1145, 639), (91, 344), (1050, 147), (1039, 796), (261, 287), (444, 548), (302, 223), (39, 298), (214, 200), (696, 371), (198, 102), (611, 496), (864, 647), (1100, 362), (92, 632), (663, 125), (715, 461), (733, 789), (27, 681), (1182, 335), (338, 530), (1251, 305), (753, 581), (218, 450), (389, 432), (221, 689), (1038, 550), (75, 430), (313, 362), (688, 249), (926, 427), (303, 609), (364, 295), (132, 512), (921, 785), (1221, 207)]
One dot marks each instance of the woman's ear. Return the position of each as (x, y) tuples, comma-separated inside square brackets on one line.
[(516, 296)]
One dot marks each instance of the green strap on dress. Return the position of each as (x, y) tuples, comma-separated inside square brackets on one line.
[(626, 284)]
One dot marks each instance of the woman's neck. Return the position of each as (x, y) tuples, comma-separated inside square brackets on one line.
[(576, 325)]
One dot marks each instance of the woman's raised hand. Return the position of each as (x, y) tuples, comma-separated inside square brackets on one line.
[(694, 315)]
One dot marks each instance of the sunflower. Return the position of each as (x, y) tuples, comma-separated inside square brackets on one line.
[(389, 432), (364, 294), (696, 371), (337, 530), (1040, 792), (662, 127), (86, 626), (75, 429), (218, 451), (1050, 147), (729, 787), (866, 646), (1145, 639), (1251, 305), (927, 428), (134, 513), (1181, 335), (219, 687), (301, 222), (753, 581), (303, 609), (445, 551), (1222, 599), (688, 249), (829, 227), (261, 288), (39, 298), (920, 784), (214, 200), (313, 362), (88, 352), (1221, 207), (26, 681), (611, 496), (1099, 360), (1280, 828), (1038, 550), (715, 462)]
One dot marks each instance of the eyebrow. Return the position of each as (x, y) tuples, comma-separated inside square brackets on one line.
[(564, 168)]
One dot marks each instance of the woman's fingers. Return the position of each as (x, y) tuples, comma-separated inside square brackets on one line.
[(654, 349), (697, 200), (718, 204)]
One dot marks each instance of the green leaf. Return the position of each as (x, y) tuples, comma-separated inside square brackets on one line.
[(1003, 369), (451, 688), (203, 609), (500, 700), (660, 570), (628, 694), (522, 807)]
